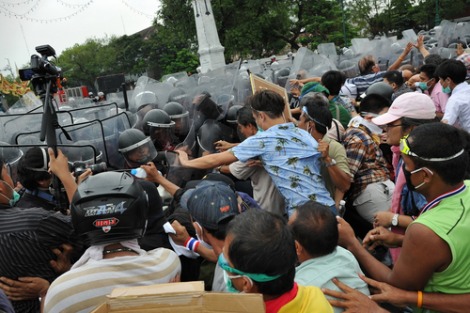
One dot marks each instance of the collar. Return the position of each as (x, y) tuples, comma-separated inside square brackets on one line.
[(274, 305), (40, 194), (436, 201)]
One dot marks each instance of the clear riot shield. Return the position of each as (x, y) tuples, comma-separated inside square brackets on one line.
[(11, 155), (27, 103), (178, 174), (446, 34), (210, 132), (329, 51), (309, 63), (13, 124)]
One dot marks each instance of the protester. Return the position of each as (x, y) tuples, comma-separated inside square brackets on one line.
[(251, 263), (289, 154), (452, 75), (315, 232), (29, 236), (114, 252), (434, 254)]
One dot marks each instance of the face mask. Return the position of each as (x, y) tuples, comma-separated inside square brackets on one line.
[(446, 90), (259, 128), (200, 238), (408, 178), (15, 196), (423, 86), (229, 284)]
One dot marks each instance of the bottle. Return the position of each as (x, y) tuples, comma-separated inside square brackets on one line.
[(341, 208), (139, 172)]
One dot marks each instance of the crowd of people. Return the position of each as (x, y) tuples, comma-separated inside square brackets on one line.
[(356, 201)]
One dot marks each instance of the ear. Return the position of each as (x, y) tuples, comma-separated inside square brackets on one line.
[(298, 248), (248, 286)]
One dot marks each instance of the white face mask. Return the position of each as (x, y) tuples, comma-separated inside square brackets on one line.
[(200, 238)]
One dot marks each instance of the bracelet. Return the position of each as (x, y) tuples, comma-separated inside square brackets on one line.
[(192, 244), (419, 303)]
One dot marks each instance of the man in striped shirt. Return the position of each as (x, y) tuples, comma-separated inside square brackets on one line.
[(27, 237), (109, 211)]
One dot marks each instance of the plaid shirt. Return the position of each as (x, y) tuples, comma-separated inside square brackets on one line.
[(366, 161)]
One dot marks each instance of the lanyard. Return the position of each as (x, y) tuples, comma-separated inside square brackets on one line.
[(434, 202)]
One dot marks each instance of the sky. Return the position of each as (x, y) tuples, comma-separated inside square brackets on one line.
[(25, 24)]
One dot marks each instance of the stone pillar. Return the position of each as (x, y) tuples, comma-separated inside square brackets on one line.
[(211, 52)]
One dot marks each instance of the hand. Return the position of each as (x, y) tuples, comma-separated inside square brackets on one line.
[(25, 288), (58, 165), (63, 263), (183, 157), (84, 175), (295, 82), (251, 163), (383, 218), (181, 235), (352, 301), (323, 148), (383, 292), (408, 48), (347, 238), (152, 172), (381, 236), (222, 145), (419, 42)]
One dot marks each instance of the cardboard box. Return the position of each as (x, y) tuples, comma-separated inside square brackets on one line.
[(258, 84), (187, 297)]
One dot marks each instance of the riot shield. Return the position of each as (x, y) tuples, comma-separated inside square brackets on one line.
[(11, 155)]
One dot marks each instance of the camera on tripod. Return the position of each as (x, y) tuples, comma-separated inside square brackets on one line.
[(40, 65)]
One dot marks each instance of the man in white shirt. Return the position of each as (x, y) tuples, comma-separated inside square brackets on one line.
[(452, 75)]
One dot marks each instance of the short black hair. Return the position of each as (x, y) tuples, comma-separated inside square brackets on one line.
[(433, 59), (429, 70), (263, 244), (267, 101), (439, 140), (374, 103), (316, 229), (319, 114), (245, 117), (33, 159), (394, 77), (221, 231), (408, 122), (333, 81), (453, 69)]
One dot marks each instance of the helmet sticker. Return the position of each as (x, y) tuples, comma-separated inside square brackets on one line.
[(105, 209), (106, 223)]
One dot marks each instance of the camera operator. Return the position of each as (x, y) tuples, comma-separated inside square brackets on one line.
[(35, 179)]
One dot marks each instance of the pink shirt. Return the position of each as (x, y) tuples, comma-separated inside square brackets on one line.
[(400, 182), (438, 97)]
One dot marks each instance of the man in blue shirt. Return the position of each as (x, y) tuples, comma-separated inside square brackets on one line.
[(288, 154)]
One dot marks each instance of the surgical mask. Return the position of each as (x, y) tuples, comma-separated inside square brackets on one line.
[(15, 196), (423, 86), (408, 178), (446, 90), (259, 129), (200, 238), (229, 284)]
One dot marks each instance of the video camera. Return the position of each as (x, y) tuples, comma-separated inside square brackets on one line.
[(40, 66)]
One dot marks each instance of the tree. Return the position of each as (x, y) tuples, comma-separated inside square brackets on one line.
[(81, 64)]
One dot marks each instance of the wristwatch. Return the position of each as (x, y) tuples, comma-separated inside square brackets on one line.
[(395, 220), (331, 163)]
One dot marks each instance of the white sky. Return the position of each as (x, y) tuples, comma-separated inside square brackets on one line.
[(19, 36)]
